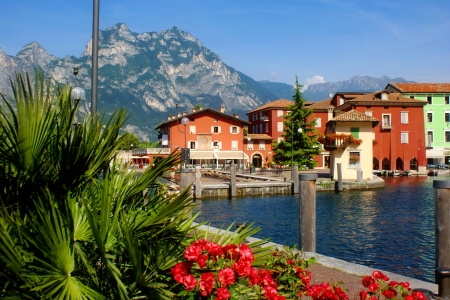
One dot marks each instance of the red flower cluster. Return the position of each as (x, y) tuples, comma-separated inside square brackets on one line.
[(304, 276), (237, 263), (378, 285), (325, 291)]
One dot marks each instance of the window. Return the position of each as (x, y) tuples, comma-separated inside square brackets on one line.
[(266, 127), (430, 99), (280, 126), (368, 113), (404, 117), (447, 136), (234, 129), (216, 129), (250, 145), (355, 132), (404, 137), (318, 122), (429, 137), (354, 160), (260, 115), (429, 117), (262, 145), (386, 122), (446, 99), (192, 145), (280, 139), (192, 129), (411, 96), (253, 117), (447, 117), (260, 128), (256, 117), (234, 145), (279, 113)]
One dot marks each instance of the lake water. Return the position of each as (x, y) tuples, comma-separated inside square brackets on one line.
[(390, 229)]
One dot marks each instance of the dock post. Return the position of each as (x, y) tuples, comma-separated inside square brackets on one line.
[(442, 236), (186, 178), (339, 174), (295, 179), (233, 181), (307, 212), (198, 182)]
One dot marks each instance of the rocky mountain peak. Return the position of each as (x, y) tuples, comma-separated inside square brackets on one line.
[(35, 54)]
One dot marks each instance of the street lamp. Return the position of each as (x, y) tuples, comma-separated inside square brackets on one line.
[(243, 154), (77, 93), (185, 121)]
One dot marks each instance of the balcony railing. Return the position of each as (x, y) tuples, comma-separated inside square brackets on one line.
[(145, 151), (386, 125), (335, 144), (265, 119)]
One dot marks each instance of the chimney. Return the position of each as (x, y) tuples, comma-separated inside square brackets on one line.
[(178, 115), (184, 113), (222, 109), (194, 110), (169, 117), (173, 117), (384, 96), (235, 115)]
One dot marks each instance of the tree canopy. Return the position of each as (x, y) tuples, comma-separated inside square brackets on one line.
[(128, 141), (297, 147)]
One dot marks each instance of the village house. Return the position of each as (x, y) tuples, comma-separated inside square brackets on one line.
[(214, 138), (436, 116)]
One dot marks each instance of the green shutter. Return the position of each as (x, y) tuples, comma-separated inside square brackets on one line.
[(355, 132)]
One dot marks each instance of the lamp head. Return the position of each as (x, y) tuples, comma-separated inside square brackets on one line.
[(77, 93), (299, 130), (184, 121)]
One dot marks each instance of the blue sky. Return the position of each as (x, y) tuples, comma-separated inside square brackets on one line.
[(317, 40)]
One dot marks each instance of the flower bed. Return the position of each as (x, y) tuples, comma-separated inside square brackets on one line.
[(212, 271)]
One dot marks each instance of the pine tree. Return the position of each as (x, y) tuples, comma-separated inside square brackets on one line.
[(297, 147)]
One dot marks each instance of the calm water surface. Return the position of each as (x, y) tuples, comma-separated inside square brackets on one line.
[(391, 229)]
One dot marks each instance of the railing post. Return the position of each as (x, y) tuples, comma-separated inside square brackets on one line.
[(307, 212), (339, 179), (442, 236), (186, 178), (198, 182), (233, 181), (295, 187)]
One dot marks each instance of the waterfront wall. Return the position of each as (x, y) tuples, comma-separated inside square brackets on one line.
[(276, 188)]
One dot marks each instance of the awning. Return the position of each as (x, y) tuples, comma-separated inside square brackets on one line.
[(195, 154), (435, 153), (231, 155)]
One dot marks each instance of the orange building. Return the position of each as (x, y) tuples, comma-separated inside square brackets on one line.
[(215, 139), (398, 141)]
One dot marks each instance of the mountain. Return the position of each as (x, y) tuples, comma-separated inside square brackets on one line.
[(280, 89), (322, 91), (148, 74)]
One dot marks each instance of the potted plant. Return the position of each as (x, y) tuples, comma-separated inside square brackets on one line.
[(354, 159)]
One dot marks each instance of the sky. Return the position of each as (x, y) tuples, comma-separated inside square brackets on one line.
[(277, 40)]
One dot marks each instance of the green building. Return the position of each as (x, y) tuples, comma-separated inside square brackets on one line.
[(437, 116)]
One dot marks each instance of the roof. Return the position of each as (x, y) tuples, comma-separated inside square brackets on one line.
[(374, 98), (258, 136), (355, 116), (280, 103), (322, 105), (244, 122), (421, 87)]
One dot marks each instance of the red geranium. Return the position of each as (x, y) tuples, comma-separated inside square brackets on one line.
[(223, 294), (207, 283), (226, 276)]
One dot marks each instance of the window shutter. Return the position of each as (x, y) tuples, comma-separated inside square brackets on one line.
[(212, 145), (355, 132), (220, 145)]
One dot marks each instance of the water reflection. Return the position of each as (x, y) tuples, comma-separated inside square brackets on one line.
[(391, 228)]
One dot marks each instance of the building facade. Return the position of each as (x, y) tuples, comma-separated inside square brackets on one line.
[(436, 116), (214, 139)]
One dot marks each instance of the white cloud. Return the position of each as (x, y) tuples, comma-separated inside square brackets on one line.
[(274, 76), (313, 80)]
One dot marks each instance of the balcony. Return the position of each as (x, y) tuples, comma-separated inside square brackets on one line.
[(145, 151), (265, 119), (334, 144), (386, 125)]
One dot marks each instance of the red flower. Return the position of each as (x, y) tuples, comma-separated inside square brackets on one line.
[(242, 268), (223, 294), (226, 276), (405, 285), (419, 295), (289, 262), (373, 287), (270, 292), (379, 275), (190, 282), (207, 283), (363, 295), (201, 261), (388, 294), (340, 293), (393, 283), (230, 251), (192, 252), (180, 271), (213, 249), (367, 280), (409, 297), (245, 253)]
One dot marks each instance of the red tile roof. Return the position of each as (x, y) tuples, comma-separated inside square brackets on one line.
[(280, 103), (258, 136), (325, 104), (422, 87), (374, 98), (354, 116)]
